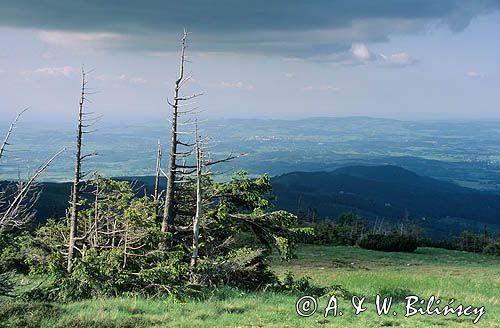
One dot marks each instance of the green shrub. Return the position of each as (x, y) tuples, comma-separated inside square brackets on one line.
[(303, 286), (13, 250), (242, 268), (473, 242), (6, 283), (120, 247), (346, 232), (492, 248)]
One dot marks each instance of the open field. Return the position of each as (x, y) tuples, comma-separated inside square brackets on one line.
[(471, 279)]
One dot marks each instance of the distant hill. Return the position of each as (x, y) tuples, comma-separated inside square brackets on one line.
[(53, 199), (390, 193), (400, 176)]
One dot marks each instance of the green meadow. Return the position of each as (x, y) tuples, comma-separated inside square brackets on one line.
[(470, 279)]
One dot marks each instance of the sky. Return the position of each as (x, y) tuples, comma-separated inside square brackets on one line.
[(400, 59)]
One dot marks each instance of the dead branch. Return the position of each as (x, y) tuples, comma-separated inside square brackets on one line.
[(11, 215), (9, 132)]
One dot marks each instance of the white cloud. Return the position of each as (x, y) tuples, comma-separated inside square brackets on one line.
[(289, 75), (360, 52), (236, 85), (293, 59), (397, 59), (64, 71), (473, 74), (121, 78), (324, 88)]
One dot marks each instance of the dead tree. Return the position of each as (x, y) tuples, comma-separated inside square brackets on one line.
[(5, 193), (83, 123), (174, 169), (199, 203), (5, 142), (18, 211), (133, 242), (202, 162), (109, 228), (96, 213)]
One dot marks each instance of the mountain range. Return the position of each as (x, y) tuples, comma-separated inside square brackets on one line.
[(389, 193)]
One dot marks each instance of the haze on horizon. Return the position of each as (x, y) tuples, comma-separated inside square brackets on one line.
[(406, 59)]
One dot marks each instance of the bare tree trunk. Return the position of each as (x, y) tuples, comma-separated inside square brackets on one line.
[(201, 164), (76, 182), (125, 244), (158, 170), (156, 195), (113, 234), (96, 214), (199, 203), (169, 211)]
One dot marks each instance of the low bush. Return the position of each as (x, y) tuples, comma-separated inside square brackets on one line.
[(303, 286), (493, 248), (27, 314), (120, 247)]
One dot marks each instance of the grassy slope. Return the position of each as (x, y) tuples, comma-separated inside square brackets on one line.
[(469, 278)]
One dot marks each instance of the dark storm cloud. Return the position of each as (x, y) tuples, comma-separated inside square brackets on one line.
[(242, 25)]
